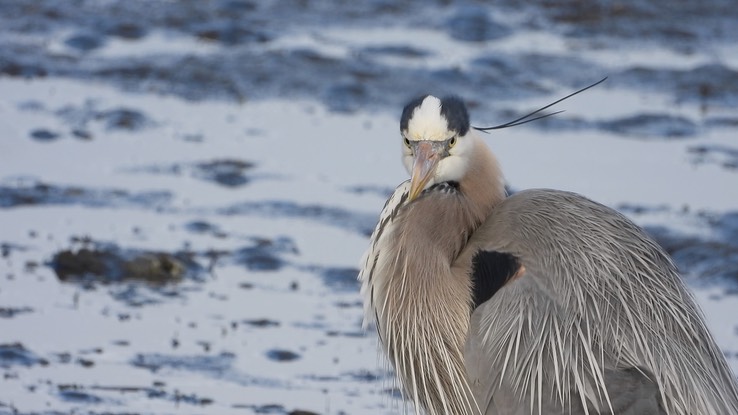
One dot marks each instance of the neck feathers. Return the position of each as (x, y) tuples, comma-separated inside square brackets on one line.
[(483, 184), (421, 301)]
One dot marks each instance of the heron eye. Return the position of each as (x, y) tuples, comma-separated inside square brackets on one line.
[(452, 141), (407, 142)]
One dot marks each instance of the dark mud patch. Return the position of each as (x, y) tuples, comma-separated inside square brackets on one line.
[(708, 259), (253, 70), (39, 193), (84, 41), (398, 51), (380, 191), (92, 394), (724, 156), (722, 122), (350, 334), (265, 254), (136, 295), (682, 28), (365, 81), (274, 409), (227, 172), (15, 354), (706, 85), (90, 114), (215, 365), (10, 312), (77, 394), (202, 227), (652, 126), (646, 126), (124, 119), (230, 33), (230, 173), (474, 24), (81, 118), (218, 366), (362, 223), (268, 409), (339, 279), (7, 249), (261, 323), (364, 376), (44, 135)]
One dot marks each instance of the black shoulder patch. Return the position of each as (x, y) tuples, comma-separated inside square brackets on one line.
[(490, 271), (457, 117), (407, 112)]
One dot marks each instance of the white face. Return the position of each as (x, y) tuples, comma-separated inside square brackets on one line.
[(427, 123)]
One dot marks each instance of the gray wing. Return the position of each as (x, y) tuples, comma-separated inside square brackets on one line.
[(498, 383), (599, 319)]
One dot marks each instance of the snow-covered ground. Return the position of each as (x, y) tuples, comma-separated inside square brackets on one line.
[(266, 203)]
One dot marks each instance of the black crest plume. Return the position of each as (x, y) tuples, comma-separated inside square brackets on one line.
[(527, 118)]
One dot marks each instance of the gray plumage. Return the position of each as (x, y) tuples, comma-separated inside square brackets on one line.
[(594, 319)]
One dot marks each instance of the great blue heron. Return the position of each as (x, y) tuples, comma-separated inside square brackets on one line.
[(544, 302)]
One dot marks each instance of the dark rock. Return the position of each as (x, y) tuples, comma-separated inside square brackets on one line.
[(109, 266), (263, 322), (44, 135), (124, 119), (15, 354), (282, 355)]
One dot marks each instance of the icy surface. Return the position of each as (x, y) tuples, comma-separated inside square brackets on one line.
[(212, 170)]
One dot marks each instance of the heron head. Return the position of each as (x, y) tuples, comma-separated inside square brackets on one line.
[(435, 144)]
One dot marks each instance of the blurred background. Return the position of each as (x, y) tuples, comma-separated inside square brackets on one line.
[(186, 187)]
